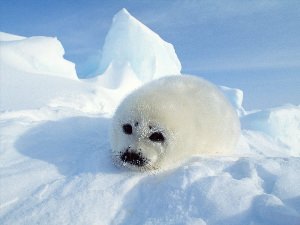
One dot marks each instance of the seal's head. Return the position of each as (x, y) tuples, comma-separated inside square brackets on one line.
[(140, 135), (139, 139)]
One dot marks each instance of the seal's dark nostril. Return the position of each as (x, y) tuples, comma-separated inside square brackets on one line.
[(127, 129), (133, 158)]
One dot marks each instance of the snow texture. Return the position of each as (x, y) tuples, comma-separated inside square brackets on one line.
[(10, 37), (283, 124), (149, 56), (235, 96), (56, 167), (36, 55)]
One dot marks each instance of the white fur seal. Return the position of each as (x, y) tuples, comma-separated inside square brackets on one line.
[(167, 120)]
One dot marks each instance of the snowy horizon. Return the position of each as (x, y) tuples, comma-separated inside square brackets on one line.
[(251, 45), (56, 165)]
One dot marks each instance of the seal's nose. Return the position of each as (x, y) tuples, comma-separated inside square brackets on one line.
[(133, 157)]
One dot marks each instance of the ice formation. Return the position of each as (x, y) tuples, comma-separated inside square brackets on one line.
[(130, 41), (10, 37), (235, 96), (282, 124), (42, 55), (116, 77)]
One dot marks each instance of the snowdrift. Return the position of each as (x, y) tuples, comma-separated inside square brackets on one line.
[(36, 55), (55, 162), (282, 124), (10, 37)]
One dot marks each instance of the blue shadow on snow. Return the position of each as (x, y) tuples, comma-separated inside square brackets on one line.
[(74, 145)]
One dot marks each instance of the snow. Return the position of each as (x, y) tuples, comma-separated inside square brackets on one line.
[(25, 90), (55, 164), (36, 55), (282, 124), (149, 56), (235, 96), (119, 77), (10, 37)]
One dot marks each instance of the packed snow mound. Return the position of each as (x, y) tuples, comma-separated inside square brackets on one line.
[(130, 41), (42, 55), (119, 78), (282, 124), (23, 90), (57, 170), (235, 96), (10, 37)]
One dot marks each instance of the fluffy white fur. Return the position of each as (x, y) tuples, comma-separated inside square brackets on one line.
[(192, 115)]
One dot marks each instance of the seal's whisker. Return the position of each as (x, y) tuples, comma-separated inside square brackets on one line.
[(149, 168)]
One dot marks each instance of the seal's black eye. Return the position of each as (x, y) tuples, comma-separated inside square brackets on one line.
[(157, 137), (127, 128)]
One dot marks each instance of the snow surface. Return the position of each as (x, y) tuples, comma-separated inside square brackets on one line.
[(55, 164), (36, 55), (149, 56), (10, 37)]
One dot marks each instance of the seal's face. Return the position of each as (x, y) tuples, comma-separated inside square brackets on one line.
[(139, 145)]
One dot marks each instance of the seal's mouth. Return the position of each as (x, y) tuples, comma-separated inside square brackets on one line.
[(134, 158)]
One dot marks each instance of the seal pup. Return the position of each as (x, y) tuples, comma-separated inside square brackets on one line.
[(164, 122)]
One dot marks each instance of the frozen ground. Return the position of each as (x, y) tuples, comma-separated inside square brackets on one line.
[(55, 154)]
